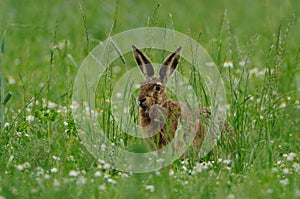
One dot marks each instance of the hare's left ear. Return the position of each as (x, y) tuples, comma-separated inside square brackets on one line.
[(143, 62), (169, 65)]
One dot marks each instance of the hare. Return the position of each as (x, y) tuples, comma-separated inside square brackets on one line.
[(153, 93)]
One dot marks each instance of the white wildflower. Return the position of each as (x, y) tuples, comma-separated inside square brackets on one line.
[(189, 87), (97, 174), (290, 158), (274, 170), (99, 166), (19, 134), (201, 166), (47, 176), (231, 196), (51, 104), (106, 166), (30, 118), (109, 180), (56, 183), (117, 69), (171, 172), (63, 44), (81, 180), (70, 158), (39, 171), (126, 110), (228, 64), (11, 80), (124, 175), (210, 64), (285, 171), (106, 176), (100, 161), (282, 105), (256, 72), (73, 173), (228, 162), (53, 170), (296, 166), (26, 165), (103, 147), (55, 157), (284, 182), (102, 187), (119, 95), (151, 188), (284, 155), (74, 105), (20, 167), (269, 190), (242, 63), (292, 154)]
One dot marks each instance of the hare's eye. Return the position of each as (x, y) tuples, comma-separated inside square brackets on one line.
[(157, 87)]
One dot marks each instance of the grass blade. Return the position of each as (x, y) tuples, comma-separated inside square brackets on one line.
[(3, 42), (2, 46)]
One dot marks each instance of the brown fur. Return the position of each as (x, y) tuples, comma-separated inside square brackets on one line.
[(167, 133), (150, 96)]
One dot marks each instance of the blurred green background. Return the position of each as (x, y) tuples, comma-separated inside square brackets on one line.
[(34, 27), (45, 43)]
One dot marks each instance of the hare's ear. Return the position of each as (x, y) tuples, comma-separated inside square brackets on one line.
[(169, 65), (144, 62)]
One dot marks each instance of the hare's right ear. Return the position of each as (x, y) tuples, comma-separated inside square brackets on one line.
[(169, 65), (144, 62)]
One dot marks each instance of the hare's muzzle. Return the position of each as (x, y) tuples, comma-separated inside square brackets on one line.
[(142, 102)]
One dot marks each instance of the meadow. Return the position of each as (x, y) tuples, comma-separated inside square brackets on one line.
[(255, 45)]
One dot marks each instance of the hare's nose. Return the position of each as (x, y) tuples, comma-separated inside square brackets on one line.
[(141, 100)]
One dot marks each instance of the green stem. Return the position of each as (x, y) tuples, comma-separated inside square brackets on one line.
[(2, 79)]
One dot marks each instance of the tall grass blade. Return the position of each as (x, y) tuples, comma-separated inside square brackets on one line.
[(3, 42), (84, 19), (2, 46), (6, 99)]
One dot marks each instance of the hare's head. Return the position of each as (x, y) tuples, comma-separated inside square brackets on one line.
[(153, 89)]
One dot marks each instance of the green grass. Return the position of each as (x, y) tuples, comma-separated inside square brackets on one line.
[(43, 44)]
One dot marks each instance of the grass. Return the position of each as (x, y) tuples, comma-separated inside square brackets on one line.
[(41, 154)]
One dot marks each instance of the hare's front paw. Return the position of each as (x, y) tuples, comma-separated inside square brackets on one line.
[(158, 116)]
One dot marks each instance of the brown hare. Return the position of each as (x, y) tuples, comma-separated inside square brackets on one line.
[(153, 93)]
